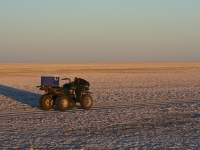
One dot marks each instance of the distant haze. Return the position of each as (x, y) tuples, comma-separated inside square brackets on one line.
[(99, 31)]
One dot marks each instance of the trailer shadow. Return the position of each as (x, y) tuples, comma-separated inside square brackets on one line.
[(22, 96)]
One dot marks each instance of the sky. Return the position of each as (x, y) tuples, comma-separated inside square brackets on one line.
[(74, 31)]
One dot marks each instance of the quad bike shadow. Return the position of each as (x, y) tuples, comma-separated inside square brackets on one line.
[(21, 96)]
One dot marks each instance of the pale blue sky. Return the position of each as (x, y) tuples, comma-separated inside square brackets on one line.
[(99, 31)]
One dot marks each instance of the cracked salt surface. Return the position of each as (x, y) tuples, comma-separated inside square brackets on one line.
[(139, 111)]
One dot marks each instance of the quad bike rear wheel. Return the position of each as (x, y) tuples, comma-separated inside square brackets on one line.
[(62, 103), (45, 102), (86, 102)]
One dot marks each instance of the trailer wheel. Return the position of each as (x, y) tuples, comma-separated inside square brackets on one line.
[(45, 102), (62, 103), (86, 102)]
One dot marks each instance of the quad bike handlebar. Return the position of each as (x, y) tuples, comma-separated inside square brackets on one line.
[(66, 79)]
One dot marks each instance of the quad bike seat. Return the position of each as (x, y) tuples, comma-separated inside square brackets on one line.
[(67, 86)]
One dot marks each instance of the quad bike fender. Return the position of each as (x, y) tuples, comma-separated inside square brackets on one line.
[(79, 92)]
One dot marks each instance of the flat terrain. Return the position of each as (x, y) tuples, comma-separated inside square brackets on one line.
[(136, 105)]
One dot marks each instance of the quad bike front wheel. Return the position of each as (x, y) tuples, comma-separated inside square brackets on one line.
[(62, 103), (86, 102), (45, 102)]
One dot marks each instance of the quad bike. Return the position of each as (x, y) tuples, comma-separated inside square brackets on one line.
[(67, 96)]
